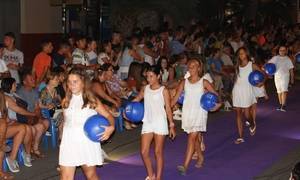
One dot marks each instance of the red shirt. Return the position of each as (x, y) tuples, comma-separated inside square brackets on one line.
[(41, 63)]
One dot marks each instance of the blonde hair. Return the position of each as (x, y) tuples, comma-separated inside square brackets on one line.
[(88, 97), (197, 60)]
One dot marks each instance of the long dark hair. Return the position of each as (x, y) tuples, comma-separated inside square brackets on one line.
[(88, 97), (238, 63), (7, 84), (160, 60)]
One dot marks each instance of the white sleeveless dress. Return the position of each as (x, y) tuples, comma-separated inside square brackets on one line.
[(242, 94), (76, 149), (155, 117), (194, 117)]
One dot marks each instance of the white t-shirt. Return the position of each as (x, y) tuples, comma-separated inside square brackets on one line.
[(92, 57), (80, 57), (102, 56), (236, 45), (226, 60), (283, 65), (15, 57), (3, 67)]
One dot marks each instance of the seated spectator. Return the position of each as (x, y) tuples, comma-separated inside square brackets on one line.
[(91, 51), (102, 92), (215, 66), (50, 100), (181, 66), (176, 46), (63, 56), (13, 126), (108, 55), (129, 55), (117, 86), (164, 66), (31, 96), (80, 58), (42, 61), (3, 127), (148, 50), (62, 85)]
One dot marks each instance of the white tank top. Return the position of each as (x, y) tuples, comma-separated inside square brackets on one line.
[(243, 75), (154, 105)]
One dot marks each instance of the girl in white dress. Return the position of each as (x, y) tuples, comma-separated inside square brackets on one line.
[(243, 96), (194, 117), (75, 148), (283, 76), (157, 113)]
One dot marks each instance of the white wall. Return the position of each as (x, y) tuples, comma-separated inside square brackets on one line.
[(37, 16)]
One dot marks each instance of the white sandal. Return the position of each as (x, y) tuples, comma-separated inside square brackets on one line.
[(239, 141)]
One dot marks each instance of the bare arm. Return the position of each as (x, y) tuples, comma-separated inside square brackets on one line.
[(292, 75), (140, 96), (110, 129), (167, 99), (13, 106), (136, 55), (100, 92), (178, 92)]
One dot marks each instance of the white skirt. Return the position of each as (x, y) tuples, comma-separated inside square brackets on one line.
[(77, 150), (243, 96), (259, 92)]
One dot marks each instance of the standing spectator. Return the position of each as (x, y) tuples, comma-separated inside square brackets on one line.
[(3, 68), (13, 58), (63, 56), (42, 61)]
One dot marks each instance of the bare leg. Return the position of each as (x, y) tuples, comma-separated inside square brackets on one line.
[(90, 172), (159, 155), (190, 148), (17, 131), (283, 98), (28, 139), (199, 151), (279, 98), (67, 173), (239, 122), (146, 140)]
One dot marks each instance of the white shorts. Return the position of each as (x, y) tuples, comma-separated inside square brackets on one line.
[(156, 128), (282, 83)]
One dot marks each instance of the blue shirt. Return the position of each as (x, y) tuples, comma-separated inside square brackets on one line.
[(176, 47), (31, 97), (217, 62)]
